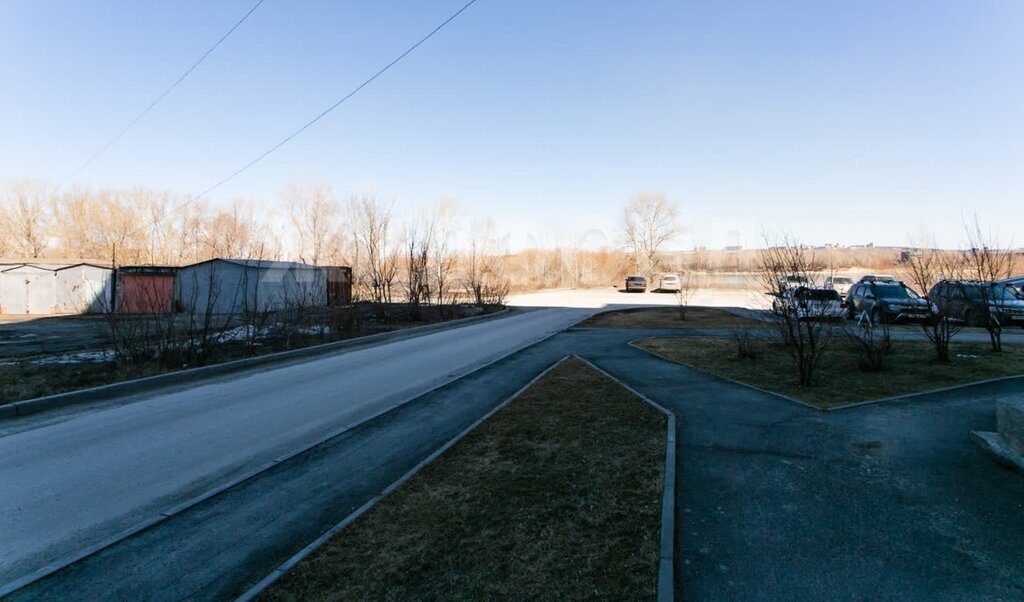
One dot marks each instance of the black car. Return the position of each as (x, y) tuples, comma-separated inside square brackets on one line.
[(974, 303), (886, 302)]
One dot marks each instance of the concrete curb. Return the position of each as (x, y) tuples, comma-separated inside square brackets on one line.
[(846, 406), (277, 573), (910, 396), (724, 378), (106, 392), (666, 556), (992, 443)]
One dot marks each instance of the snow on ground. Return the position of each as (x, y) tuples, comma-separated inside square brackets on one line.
[(612, 298), (69, 358)]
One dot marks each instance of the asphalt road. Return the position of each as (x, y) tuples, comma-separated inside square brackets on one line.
[(72, 482), (775, 500)]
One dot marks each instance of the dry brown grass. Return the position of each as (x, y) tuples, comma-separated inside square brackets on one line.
[(911, 367), (667, 317), (556, 497)]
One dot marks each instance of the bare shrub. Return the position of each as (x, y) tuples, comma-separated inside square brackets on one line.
[(687, 287), (925, 266), (485, 278), (986, 262), (746, 342), (805, 329), (873, 341)]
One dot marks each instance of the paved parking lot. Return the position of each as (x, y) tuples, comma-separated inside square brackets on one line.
[(35, 335)]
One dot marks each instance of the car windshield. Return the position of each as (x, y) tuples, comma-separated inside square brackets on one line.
[(842, 280), (999, 292), (894, 291), (636, 279)]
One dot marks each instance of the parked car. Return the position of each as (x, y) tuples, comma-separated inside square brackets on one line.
[(878, 278), (788, 281), (966, 300), (1016, 282), (636, 283), (887, 302), (841, 284), (810, 303), (670, 282)]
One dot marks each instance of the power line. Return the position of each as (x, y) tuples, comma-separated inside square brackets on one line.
[(159, 98), (309, 123), (335, 105)]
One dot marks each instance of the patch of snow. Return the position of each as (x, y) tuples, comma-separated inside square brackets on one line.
[(75, 358)]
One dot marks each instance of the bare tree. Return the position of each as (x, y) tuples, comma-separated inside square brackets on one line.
[(987, 262), (485, 277), (376, 257), (649, 221), (925, 267), (26, 217), (442, 254), (314, 213), (805, 325), (419, 239)]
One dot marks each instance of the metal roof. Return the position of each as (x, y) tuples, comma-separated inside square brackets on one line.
[(261, 264), (19, 266)]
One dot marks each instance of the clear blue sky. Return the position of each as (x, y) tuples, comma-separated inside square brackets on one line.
[(838, 121)]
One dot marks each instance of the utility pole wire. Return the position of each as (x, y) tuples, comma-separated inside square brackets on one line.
[(337, 104), (159, 98), (312, 121)]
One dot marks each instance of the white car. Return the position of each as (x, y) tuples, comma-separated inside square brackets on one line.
[(841, 284), (670, 282), (811, 303), (792, 281)]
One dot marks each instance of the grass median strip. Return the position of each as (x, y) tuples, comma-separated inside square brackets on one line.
[(667, 317), (556, 496), (911, 367)]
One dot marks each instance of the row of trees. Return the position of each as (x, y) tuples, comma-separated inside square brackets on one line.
[(432, 258), (418, 261)]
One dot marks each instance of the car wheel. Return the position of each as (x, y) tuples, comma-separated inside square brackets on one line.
[(877, 316), (971, 319)]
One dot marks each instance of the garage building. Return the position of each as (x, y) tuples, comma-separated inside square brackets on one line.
[(54, 288), (232, 286)]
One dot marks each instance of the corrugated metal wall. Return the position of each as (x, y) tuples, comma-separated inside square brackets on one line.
[(43, 289), (83, 289), (145, 292), (27, 289), (228, 287)]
